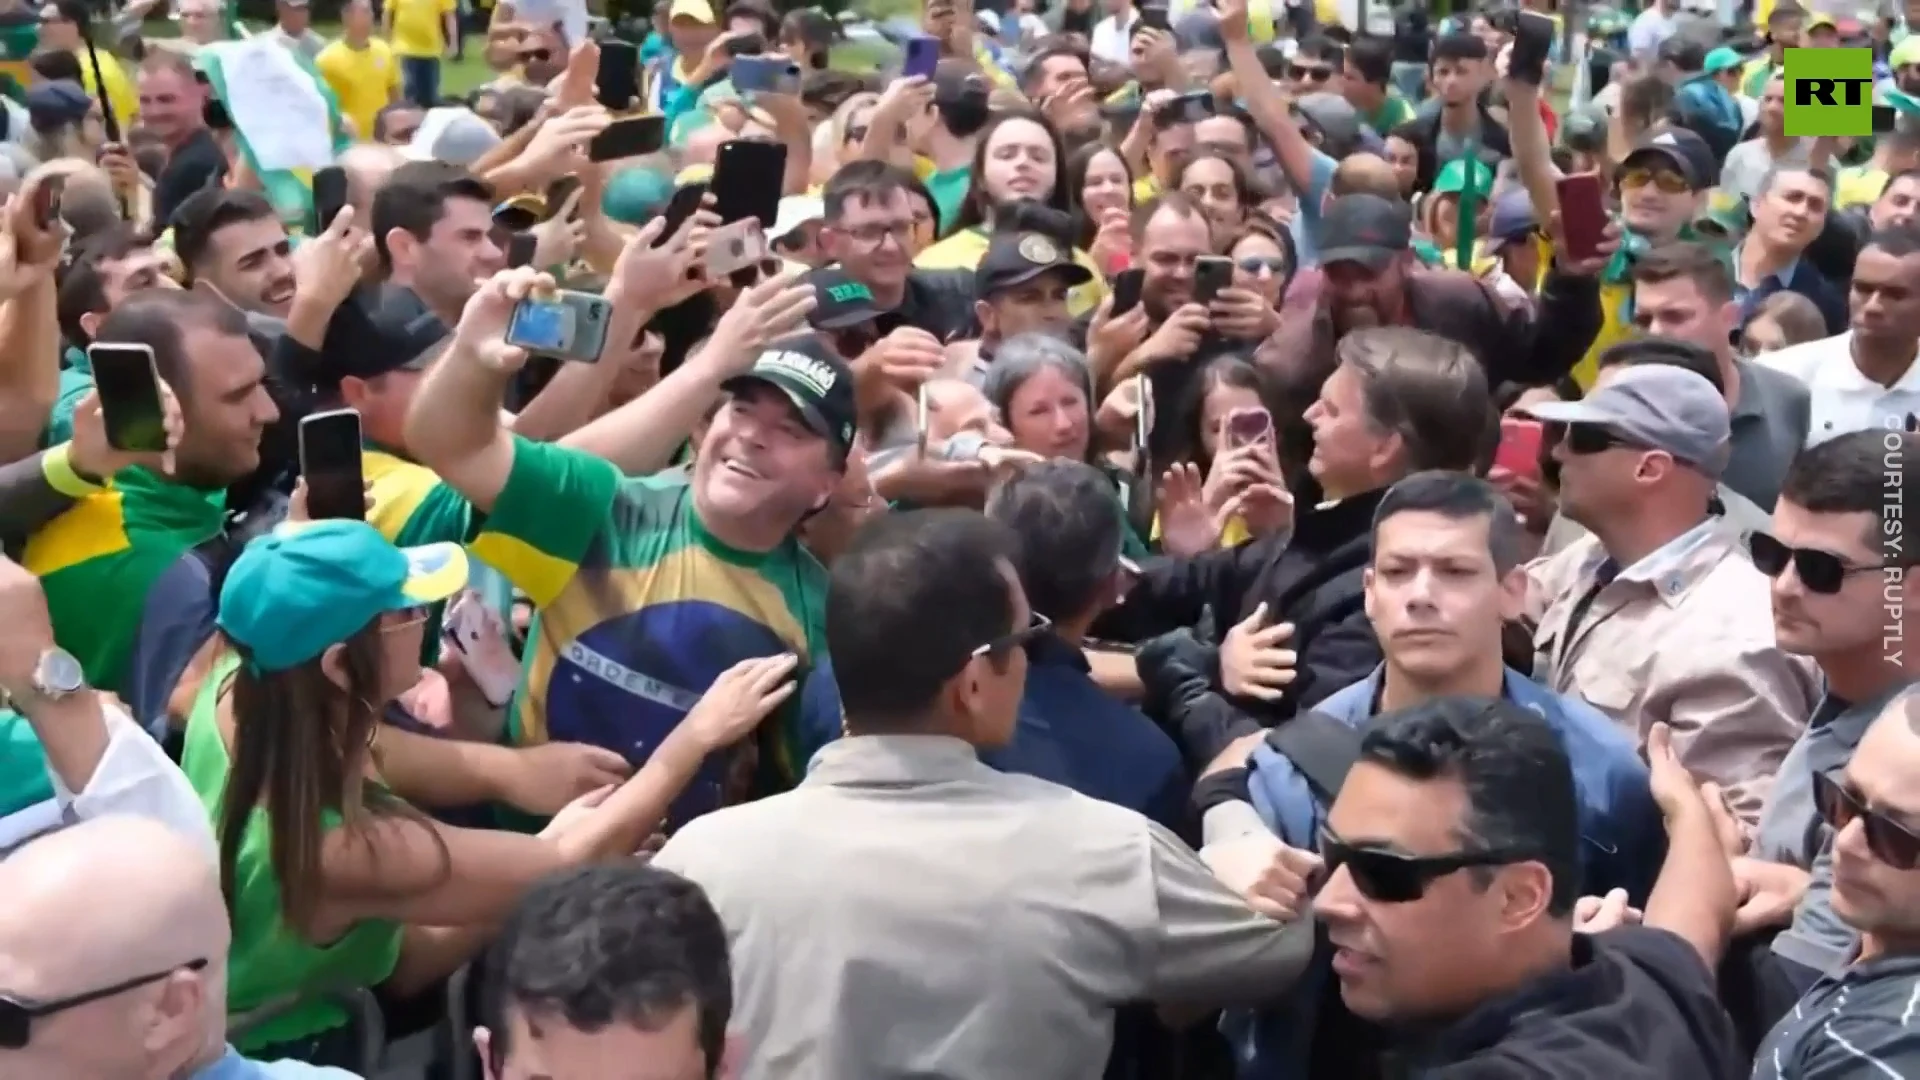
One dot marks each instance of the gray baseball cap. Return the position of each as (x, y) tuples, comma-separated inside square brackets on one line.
[(1658, 406)]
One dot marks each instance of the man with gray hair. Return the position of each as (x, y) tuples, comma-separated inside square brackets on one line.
[(1659, 616)]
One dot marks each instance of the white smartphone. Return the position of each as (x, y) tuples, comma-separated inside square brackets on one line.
[(920, 421), (477, 633), (738, 245)]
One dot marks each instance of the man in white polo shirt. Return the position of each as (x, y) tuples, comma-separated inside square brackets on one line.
[(1866, 379)]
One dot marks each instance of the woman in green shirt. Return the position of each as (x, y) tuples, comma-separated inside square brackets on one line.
[(332, 882)]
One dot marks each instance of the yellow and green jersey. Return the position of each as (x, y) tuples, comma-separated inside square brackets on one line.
[(97, 561), (639, 609)]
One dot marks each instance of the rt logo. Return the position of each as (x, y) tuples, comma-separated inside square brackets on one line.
[(1830, 92)]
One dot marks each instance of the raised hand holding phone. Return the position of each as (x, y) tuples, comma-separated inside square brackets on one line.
[(92, 452)]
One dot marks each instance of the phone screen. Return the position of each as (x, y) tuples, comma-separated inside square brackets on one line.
[(745, 180), (617, 82), (632, 137), (130, 403), (1211, 273), (1126, 290), (329, 196), (685, 201), (330, 464)]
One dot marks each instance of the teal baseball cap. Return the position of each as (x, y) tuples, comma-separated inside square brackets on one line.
[(635, 194), (306, 586), (1720, 60)]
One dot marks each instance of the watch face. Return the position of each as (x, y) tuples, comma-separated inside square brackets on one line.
[(60, 673)]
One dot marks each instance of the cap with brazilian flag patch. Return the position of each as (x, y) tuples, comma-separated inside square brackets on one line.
[(309, 585)]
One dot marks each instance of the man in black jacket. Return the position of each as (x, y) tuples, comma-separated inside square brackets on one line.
[(1400, 401)]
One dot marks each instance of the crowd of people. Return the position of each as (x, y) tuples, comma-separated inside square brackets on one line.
[(1159, 545)]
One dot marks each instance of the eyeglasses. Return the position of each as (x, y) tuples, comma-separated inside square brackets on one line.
[(1389, 877), (17, 1017), (1312, 74), (1037, 624), (407, 620), (1821, 572), (1671, 183), (1255, 265), (535, 56), (1888, 840), (1584, 439), (873, 234)]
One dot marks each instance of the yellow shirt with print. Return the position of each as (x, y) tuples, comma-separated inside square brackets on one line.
[(1858, 185), (419, 27), (964, 250), (120, 91), (364, 80)]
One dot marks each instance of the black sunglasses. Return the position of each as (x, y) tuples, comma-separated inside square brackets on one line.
[(1889, 841), (1312, 74), (1256, 264), (1821, 572), (536, 56), (17, 1017), (1389, 877), (1586, 439)]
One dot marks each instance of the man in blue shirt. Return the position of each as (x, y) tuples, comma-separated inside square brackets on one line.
[(1070, 730), (116, 933)]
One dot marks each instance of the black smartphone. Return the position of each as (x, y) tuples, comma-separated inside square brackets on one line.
[(631, 137), (685, 201), (520, 248), (1155, 17), (1189, 108), (329, 196), (750, 45), (746, 180), (1211, 273), (1532, 45), (617, 83), (130, 403), (330, 464), (1126, 290)]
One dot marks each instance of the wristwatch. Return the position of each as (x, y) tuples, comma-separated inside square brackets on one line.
[(57, 676)]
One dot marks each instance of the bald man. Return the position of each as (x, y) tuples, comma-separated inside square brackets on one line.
[(116, 931), (1859, 1021)]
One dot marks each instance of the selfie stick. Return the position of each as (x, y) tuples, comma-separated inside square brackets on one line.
[(107, 120)]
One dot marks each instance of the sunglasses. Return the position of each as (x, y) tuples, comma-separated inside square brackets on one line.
[(1584, 439), (17, 1017), (1889, 841), (1671, 183), (535, 56), (1821, 572), (1388, 877), (1256, 265), (1312, 74), (1037, 624)]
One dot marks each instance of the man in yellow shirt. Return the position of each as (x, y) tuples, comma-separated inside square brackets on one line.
[(420, 31), (360, 68)]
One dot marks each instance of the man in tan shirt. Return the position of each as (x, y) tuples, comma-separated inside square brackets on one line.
[(908, 911), (1659, 616)]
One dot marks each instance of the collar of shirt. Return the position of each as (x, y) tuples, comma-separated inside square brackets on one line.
[(1585, 984), (1672, 567), (1378, 683), (232, 1066), (1848, 377), (1837, 726), (1051, 650), (1784, 275), (893, 761)]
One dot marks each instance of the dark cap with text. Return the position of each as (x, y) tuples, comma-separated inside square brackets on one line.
[(814, 379), (839, 301), (1015, 258), (1366, 229)]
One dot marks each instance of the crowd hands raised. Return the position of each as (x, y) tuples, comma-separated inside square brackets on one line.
[(1123, 547)]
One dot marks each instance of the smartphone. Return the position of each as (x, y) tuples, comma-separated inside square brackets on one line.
[(1583, 214), (1143, 416), (735, 246), (1155, 17), (750, 45), (566, 324), (765, 75), (1185, 109), (130, 402), (1126, 290), (685, 201), (630, 137), (520, 248), (479, 635), (923, 55), (1532, 45), (46, 207), (1211, 273), (746, 181), (920, 421), (329, 196), (617, 82), (1248, 426), (330, 464), (1521, 443)]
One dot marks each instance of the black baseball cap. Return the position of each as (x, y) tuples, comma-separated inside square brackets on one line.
[(378, 330), (814, 379), (1015, 258), (1683, 150), (1364, 228), (839, 301)]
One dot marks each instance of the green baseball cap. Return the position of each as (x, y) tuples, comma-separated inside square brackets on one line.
[(1719, 60), (306, 586), (635, 194), (1453, 178)]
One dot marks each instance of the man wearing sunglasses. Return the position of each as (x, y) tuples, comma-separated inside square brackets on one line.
[(119, 991), (1832, 603), (1655, 616), (1855, 1020)]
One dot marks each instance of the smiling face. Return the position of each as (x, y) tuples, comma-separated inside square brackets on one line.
[(760, 464)]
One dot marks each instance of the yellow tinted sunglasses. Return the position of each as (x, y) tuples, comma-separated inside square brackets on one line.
[(1671, 183)]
